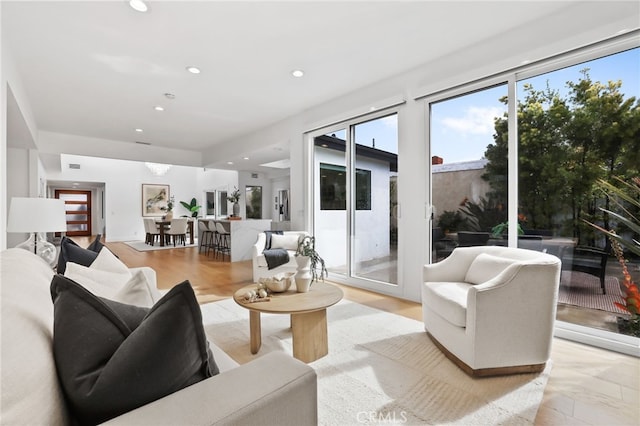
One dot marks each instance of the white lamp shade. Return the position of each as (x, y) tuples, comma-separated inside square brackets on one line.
[(37, 215)]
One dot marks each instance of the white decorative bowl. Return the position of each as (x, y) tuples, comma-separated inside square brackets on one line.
[(278, 283)]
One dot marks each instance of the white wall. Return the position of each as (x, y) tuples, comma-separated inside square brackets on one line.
[(15, 106), (123, 181), (246, 179), (211, 180), (18, 168)]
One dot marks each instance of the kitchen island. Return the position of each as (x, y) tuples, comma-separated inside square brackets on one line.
[(243, 234)]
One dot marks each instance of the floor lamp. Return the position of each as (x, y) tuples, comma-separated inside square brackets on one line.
[(37, 216)]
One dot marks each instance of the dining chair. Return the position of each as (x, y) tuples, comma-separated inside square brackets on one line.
[(151, 230), (178, 230)]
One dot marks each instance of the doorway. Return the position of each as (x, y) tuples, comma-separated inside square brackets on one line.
[(78, 211)]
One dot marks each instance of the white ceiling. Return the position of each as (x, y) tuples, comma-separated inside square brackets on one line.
[(97, 69)]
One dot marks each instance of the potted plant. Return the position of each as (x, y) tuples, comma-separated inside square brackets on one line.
[(626, 197), (193, 207), (310, 264), (234, 197)]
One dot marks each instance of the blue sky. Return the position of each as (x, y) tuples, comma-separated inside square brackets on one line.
[(463, 127)]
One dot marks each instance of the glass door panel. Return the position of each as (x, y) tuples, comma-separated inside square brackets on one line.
[(375, 200), (577, 128), (469, 191), (330, 200)]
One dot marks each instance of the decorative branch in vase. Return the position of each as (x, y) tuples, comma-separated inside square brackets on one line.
[(234, 197), (306, 247), (311, 265)]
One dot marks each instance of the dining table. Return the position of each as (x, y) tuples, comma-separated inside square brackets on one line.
[(164, 225)]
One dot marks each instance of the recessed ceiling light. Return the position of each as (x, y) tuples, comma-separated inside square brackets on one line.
[(297, 73), (193, 70), (138, 5), (245, 158), (158, 108), (230, 163), (139, 130)]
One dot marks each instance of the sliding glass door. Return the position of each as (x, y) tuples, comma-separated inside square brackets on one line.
[(578, 130), (531, 163), (355, 200)]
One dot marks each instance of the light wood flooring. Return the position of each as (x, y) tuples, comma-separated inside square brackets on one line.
[(588, 386)]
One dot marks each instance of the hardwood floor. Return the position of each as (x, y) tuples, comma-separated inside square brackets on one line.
[(588, 386)]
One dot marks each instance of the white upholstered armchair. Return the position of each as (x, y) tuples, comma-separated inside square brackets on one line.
[(492, 309), (287, 240)]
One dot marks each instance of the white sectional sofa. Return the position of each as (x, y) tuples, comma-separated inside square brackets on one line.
[(288, 240), (275, 389)]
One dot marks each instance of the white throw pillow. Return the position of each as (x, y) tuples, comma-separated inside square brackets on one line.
[(107, 261), (138, 291), (286, 241), (134, 291), (485, 267), (105, 277), (101, 283)]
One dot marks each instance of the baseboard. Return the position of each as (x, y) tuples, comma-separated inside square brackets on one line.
[(487, 372)]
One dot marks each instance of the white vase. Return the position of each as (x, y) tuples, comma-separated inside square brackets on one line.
[(169, 215), (303, 276), (236, 209)]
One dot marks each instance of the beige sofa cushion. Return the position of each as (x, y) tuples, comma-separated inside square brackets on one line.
[(286, 241), (31, 394), (485, 267), (449, 300)]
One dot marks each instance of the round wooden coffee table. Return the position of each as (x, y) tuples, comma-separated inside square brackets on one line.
[(308, 317)]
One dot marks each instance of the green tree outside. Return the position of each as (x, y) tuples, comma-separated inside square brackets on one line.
[(565, 144)]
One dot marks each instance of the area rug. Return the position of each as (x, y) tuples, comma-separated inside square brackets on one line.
[(142, 246), (582, 289), (382, 368)]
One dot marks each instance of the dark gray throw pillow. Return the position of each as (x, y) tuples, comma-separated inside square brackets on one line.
[(96, 245), (72, 252), (112, 358)]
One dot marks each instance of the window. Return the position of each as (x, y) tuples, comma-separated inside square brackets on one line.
[(333, 188), (253, 197)]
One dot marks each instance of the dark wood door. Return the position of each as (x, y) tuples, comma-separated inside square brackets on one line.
[(78, 208)]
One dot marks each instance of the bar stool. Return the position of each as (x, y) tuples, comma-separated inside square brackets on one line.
[(223, 241), (207, 241)]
